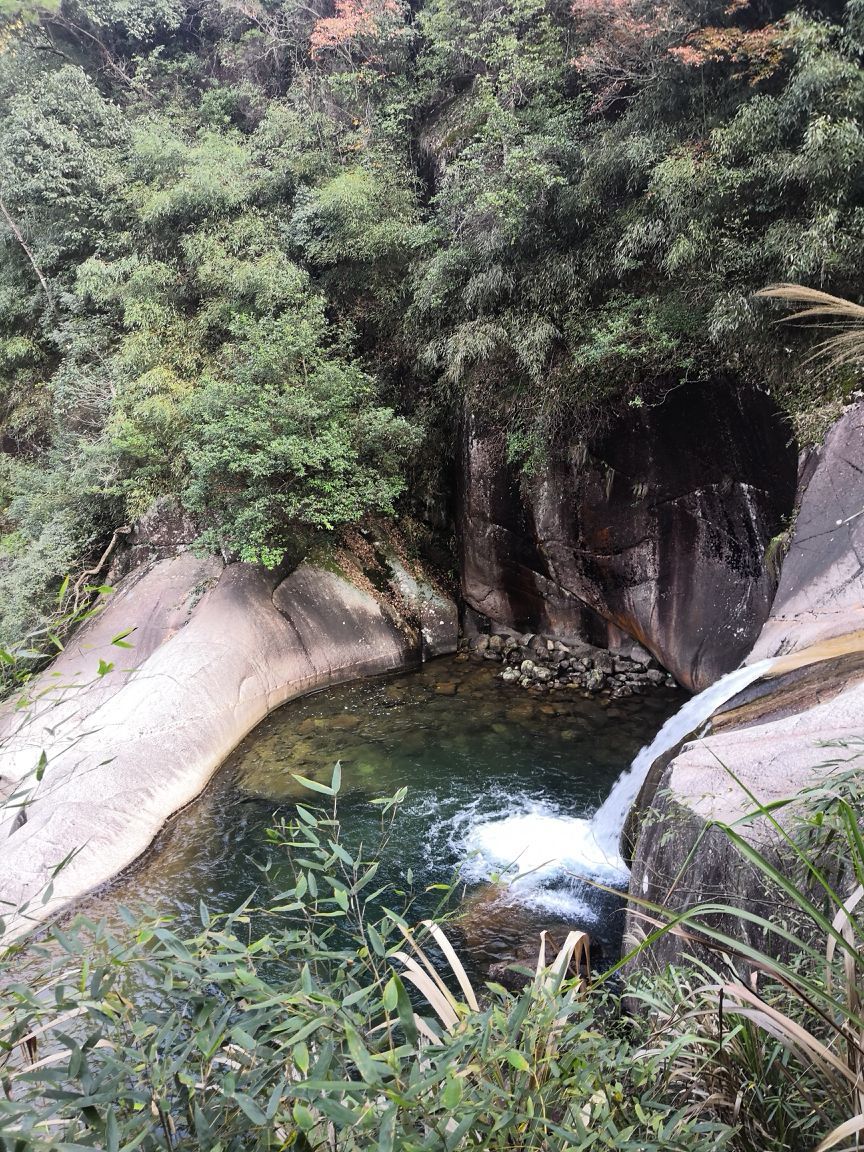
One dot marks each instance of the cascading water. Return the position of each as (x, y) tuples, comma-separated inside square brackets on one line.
[(543, 850), (608, 822)]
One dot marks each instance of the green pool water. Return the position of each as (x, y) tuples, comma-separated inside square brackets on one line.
[(499, 782)]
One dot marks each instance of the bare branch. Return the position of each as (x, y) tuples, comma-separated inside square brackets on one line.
[(16, 232)]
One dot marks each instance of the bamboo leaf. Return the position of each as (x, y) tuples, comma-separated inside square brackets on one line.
[(370, 1069), (424, 983), (517, 1060), (313, 785), (455, 963)]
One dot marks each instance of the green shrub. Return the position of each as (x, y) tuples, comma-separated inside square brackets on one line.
[(319, 1021), (288, 437)]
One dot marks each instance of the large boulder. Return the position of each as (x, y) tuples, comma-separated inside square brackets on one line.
[(822, 579), (661, 529), (112, 740), (683, 858), (786, 734), (147, 608)]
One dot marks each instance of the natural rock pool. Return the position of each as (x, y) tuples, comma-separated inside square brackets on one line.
[(499, 782)]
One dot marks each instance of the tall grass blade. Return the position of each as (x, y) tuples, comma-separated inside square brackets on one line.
[(848, 1128), (455, 964), (423, 983), (840, 351)]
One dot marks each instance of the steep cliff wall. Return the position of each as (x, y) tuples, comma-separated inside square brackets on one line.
[(660, 530)]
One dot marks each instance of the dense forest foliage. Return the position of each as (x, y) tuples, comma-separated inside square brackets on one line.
[(258, 254)]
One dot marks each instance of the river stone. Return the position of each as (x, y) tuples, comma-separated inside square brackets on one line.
[(215, 651), (345, 721), (520, 712), (603, 662), (640, 656), (446, 688)]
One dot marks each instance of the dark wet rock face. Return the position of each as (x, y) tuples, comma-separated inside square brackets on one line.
[(506, 575), (661, 532)]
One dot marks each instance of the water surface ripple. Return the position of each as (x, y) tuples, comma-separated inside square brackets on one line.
[(501, 784)]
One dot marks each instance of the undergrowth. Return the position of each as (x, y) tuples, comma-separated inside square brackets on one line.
[(322, 1016)]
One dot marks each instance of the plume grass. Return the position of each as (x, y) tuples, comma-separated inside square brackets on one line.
[(845, 319)]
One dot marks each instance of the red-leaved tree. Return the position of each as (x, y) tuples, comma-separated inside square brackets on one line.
[(357, 29), (628, 42)]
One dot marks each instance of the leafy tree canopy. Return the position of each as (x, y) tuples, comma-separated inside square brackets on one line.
[(251, 252)]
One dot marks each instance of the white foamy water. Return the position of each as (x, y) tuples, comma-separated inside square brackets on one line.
[(541, 844), (543, 852)]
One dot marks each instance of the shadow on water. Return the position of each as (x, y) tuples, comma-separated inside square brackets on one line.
[(496, 777)]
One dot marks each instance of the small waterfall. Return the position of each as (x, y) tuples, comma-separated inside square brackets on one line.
[(546, 851), (608, 822)]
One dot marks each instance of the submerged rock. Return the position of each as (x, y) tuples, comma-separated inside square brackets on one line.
[(503, 938), (446, 688), (346, 721)]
